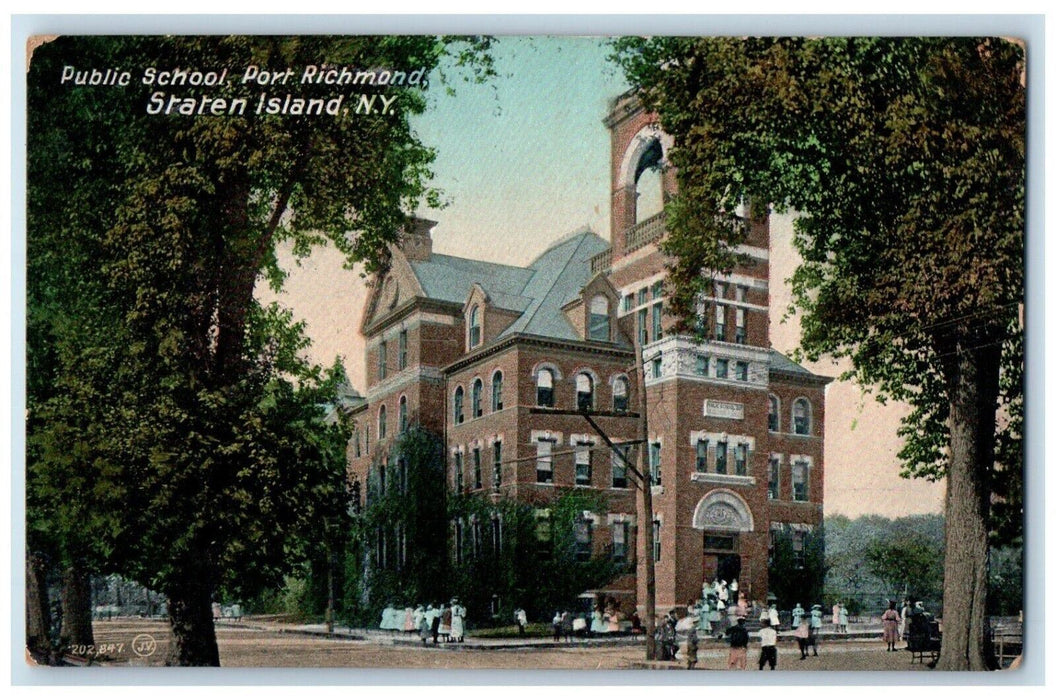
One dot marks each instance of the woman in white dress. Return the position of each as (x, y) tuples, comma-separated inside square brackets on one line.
[(458, 621)]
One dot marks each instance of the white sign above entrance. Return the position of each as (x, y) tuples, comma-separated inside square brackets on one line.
[(723, 409)]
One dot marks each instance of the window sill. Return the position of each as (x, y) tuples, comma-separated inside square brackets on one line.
[(728, 479)]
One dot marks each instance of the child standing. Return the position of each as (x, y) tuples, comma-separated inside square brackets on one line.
[(768, 641)]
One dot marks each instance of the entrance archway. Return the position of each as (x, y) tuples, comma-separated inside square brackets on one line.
[(721, 516)]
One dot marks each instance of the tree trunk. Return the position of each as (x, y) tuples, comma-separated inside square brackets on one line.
[(76, 607), (191, 620), (38, 610), (972, 381)]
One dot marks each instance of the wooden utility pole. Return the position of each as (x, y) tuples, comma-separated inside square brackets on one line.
[(645, 517)]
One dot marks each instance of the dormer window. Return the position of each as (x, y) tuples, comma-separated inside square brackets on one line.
[(599, 319), (474, 327)]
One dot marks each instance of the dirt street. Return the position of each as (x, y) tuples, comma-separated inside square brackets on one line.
[(145, 643)]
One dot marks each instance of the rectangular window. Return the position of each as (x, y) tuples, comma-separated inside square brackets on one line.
[(458, 472), (658, 289), (799, 558), (722, 368), (366, 441), (701, 367), (620, 536), (643, 328), (656, 540), (403, 350), (544, 463), (741, 371), (543, 532), (720, 290), (619, 467), (383, 351), (702, 455), (658, 366), (584, 540), (355, 440), (496, 535), (720, 322), (583, 452), (800, 476), (628, 303), (496, 468), (477, 478), (458, 542), (643, 295), (741, 331), (658, 314), (654, 462), (478, 539), (740, 459), (740, 293), (773, 480), (720, 458)]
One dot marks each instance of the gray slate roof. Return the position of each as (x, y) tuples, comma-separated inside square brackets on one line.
[(780, 363), (537, 291)]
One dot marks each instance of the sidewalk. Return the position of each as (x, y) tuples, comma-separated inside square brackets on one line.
[(856, 632)]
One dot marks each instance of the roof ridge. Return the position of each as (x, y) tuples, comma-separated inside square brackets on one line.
[(550, 287)]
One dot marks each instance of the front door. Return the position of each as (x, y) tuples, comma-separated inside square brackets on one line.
[(721, 559)]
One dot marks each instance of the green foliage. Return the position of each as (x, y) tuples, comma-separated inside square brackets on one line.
[(1006, 581), (905, 159), (538, 572), (907, 563), (405, 493), (797, 576), (910, 549), (175, 435)]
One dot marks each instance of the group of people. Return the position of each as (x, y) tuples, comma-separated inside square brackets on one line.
[(432, 622), (914, 621)]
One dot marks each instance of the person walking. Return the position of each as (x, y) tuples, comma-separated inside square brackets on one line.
[(458, 621), (836, 616), (892, 621), (738, 637), (815, 627), (775, 617), (797, 615), (844, 618), (522, 620), (425, 621), (557, 626), (802, 635), (768, 645), (692, 642), (905, 620), (434, 623)]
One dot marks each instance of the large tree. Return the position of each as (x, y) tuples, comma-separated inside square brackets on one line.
[(170, 414), (905, 159)]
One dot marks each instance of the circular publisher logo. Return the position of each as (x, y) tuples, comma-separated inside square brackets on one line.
[(144, 645)]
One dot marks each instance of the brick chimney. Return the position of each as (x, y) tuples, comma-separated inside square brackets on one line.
[(416, 240)]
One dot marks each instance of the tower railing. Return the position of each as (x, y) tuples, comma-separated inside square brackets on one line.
[(645, 232)]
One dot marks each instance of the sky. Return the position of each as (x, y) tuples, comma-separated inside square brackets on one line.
[(522, 161)]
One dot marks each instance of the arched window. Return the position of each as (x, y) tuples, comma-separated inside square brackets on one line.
[(619, 394), (459, 396), (478, 391), (474, 327), (599, 319), (801, 417), (496, 391), (403, 414), (649, 194), (775, 414), (544, 388), (381, 423), (584, 392)]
